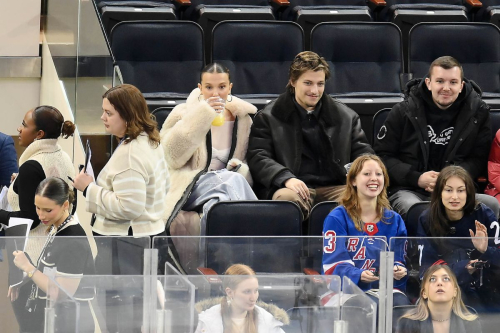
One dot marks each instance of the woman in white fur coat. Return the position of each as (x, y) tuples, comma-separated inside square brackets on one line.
[(239, 311), (202, 158)]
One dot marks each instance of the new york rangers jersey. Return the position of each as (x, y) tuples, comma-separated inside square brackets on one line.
[(348, 251)]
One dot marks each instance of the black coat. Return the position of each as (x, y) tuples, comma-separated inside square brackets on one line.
[(403, 145), (276, 140), (457, 325)]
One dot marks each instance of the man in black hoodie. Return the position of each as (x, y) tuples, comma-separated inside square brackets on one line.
[(441, 122)]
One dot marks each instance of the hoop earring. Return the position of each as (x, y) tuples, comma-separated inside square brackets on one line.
[(230, 100), (228, 300), (199, 97)]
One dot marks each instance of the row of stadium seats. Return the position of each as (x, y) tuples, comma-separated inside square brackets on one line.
[(307, 13), (365, 58)]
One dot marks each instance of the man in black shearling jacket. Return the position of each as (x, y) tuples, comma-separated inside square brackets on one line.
[(300, 143), (441, 122)]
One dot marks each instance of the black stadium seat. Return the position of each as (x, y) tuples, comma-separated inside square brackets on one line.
[(475, 45), (258, 55), (161, 115), (366, 65), (207, 13), (116, 11), (489, 12), (161, 58), (254, 218), (406, 13), (308, 13), (365, 58)]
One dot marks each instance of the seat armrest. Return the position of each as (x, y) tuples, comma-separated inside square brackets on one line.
[(210, 275), (310, 271)]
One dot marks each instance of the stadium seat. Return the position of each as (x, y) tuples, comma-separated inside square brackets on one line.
[(318, 215), (475, 45), (161, 115), (254, 218), (207, 13), (412, 217), (488, 12), (406, 13), (366, 64), (308, 13), (115, 11), (378, 121), (258, 55), (161, 58)]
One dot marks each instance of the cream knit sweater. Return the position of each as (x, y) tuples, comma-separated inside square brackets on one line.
[(130, 191)]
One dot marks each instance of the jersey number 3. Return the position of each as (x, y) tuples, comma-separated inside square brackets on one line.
[(331, 239)]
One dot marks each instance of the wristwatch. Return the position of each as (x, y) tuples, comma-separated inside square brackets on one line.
[(30, 274)]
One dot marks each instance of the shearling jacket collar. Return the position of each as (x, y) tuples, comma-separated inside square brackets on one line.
[(284, 107)]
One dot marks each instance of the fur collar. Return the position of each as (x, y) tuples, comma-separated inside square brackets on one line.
[(284, 108), (236, 106), (278, 313)]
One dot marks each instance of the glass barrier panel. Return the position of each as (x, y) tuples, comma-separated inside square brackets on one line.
[(358, 311), (473, 263), (120, 255), (61, 33), (269, 254), (63, 312)]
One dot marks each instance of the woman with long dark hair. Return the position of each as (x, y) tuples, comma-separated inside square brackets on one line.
[(461, 226)]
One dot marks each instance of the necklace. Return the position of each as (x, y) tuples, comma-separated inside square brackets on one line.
[(440, 320)]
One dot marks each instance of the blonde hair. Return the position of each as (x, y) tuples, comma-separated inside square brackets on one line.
[(421, 312), (233, 276), (349, 197)]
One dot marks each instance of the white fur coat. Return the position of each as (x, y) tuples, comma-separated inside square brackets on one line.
[(183, 138)]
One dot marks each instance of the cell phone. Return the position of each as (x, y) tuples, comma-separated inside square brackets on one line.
[(87, 156), (236, 168)]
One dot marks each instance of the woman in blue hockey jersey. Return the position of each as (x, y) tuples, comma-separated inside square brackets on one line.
[(461, 225), (357, 231)]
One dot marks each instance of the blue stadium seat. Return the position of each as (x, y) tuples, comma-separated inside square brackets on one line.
[(475, 45), (258, 55), (161, 58)]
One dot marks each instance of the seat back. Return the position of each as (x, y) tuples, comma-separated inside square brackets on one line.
[(315, 244), (159, 56), (258, 54), (363, 56), (318, 215), (412, 217), (161, 115), (480, 59), (378, 121), (269, 219)]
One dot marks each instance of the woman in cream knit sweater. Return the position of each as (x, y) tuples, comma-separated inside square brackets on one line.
[(43, 158)]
